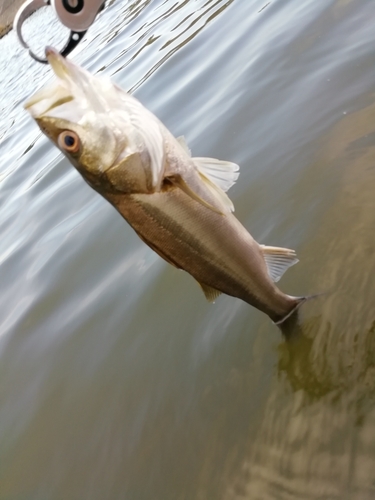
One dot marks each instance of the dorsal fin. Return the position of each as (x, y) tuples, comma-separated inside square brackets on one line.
[(210, 293), (222, 173), (278, 260)]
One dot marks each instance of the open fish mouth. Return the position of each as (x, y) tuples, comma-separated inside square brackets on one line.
[(47, 99), (53, 95), (73, 84)]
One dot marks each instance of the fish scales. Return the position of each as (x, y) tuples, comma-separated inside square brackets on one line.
[(192, 239)]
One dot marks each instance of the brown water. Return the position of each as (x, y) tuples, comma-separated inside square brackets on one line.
[(117, 379)]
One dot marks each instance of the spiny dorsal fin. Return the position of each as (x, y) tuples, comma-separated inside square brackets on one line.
[(182, 142), (210, 293), (278, 260), (222, 173)]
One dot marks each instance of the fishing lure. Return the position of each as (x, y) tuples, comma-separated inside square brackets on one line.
[(77, 15)]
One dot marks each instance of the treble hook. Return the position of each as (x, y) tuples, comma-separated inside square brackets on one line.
[(76, 15)]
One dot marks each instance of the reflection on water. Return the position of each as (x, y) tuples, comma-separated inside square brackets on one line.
[(184, 27), (117, 380), (315, 439)]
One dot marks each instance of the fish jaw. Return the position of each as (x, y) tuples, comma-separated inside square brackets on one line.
[(73, 83), (70, 104), (112, 125)]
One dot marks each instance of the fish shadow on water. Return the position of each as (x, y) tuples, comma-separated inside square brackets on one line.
[(291, 327), (297, 359), (322, 359)]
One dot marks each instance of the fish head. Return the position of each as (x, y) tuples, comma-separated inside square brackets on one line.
[(91, 121)]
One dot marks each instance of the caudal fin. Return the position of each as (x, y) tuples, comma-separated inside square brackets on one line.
[(298, 303)]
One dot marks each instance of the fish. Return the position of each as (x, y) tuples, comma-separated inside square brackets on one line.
[(176, 203)]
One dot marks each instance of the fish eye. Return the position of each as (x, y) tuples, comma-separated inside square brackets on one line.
[(69, 141)]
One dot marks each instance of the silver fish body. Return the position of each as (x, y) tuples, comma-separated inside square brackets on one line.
[(175, 203)]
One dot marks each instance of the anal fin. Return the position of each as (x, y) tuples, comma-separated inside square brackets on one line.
[(210, 293)]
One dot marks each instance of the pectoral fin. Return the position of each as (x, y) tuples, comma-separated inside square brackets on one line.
[(217, 175), (218, 194), (278, 260), (178, 181), (210, 293)]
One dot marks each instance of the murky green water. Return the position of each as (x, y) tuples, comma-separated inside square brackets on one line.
[(117, 379)]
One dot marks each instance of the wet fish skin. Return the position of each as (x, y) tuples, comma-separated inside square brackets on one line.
[(170, 199), (165, 231)]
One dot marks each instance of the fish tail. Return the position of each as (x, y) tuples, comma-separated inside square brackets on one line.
[(297, 303)]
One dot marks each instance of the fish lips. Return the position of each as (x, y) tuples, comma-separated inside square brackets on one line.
[(73, 84)]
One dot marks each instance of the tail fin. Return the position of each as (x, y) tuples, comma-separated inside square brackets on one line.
[(298, 303)]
